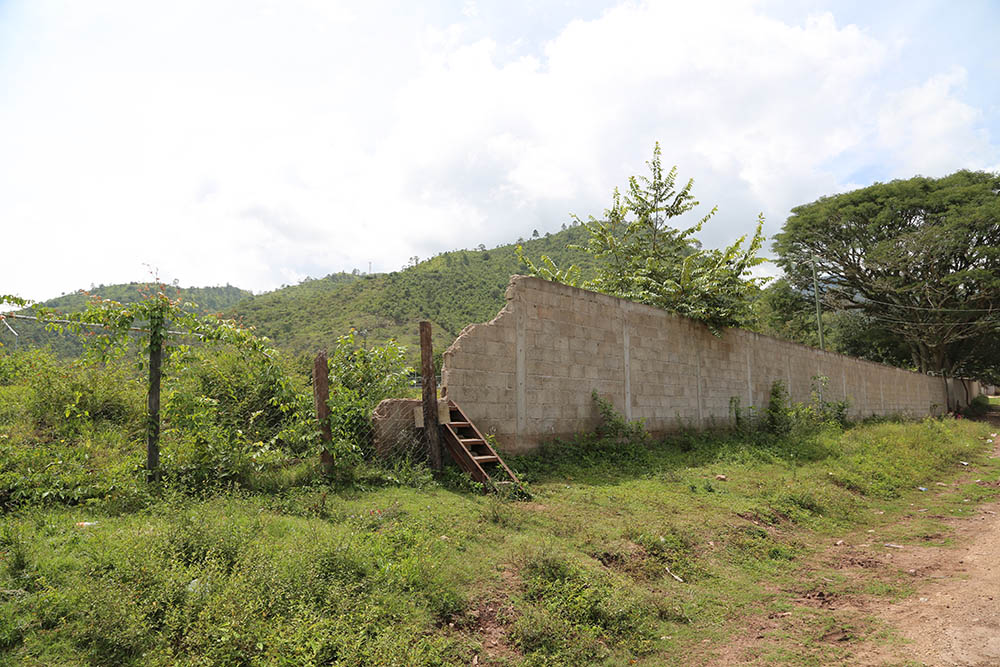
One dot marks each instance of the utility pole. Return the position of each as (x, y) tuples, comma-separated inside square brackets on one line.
[(819, 312)]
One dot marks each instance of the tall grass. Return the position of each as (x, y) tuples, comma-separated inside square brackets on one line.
[(632, 548)]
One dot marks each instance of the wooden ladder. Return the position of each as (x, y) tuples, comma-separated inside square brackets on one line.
[(473, 454)]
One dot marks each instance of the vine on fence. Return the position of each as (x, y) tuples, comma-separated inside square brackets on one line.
[(166, 326)]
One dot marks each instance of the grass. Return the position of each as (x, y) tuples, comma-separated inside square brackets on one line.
[(628, 553)]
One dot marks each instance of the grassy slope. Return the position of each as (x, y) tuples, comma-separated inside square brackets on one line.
[(452, 290), (437, 575)]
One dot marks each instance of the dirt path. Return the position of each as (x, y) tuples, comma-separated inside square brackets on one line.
[(954, 618)]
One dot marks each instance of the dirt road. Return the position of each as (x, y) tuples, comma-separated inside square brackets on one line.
[(954, 619)]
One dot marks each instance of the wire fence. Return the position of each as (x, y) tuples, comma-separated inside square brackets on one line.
[(221, 411)]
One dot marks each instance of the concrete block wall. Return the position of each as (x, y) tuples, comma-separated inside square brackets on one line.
[(527, 375)]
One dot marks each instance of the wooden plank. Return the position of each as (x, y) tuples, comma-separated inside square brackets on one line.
[(471, 462), (431, 427)]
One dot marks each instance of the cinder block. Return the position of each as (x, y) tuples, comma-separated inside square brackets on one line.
[(574, 342)]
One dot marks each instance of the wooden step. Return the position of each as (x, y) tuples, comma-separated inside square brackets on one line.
[(473, 453)]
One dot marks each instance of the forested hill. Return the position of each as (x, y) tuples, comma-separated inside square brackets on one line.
[(30, 334), (208, 299), (451, 290)]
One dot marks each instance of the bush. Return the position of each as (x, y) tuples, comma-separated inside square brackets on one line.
[(71, 397), (779, 416), (615, 427), (229, 416), (361, 377), (978, 406), (782, 417)]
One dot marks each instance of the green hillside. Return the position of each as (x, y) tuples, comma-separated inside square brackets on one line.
[(451, 290), (208, 299), (30, 334)]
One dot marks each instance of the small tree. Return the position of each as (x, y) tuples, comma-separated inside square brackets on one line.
[(163, 323), (642, 258)]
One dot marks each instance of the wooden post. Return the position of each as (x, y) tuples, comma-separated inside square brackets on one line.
[(153, 411), (321, 396), (431, 430)]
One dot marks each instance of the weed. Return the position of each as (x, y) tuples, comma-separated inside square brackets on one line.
[(615, 427), (280, 566), (497, 510), (978, 406)]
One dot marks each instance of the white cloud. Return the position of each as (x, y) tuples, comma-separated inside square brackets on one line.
[(928, 125), (257, 143)]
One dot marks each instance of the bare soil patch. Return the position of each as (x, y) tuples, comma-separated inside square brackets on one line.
[(954, 618), (951, 618), (489, 622)]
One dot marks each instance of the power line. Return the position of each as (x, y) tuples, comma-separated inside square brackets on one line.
[(940, 310), (929, 324), (4, 316)]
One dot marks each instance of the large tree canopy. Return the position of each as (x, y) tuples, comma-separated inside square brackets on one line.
[(919, 258)]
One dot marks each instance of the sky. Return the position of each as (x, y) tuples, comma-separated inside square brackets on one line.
[(257, 143)]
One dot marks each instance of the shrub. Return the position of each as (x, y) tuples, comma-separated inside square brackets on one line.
[(228, 416), (779, 416), (360, 377), (253, 397), (615, 427), (978, 406), (70, 397)]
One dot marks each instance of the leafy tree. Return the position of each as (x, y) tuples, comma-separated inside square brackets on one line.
[(783, 311), (360, 377), (786, 312), (918, 258), (163, 324), (642, 258), (548, 270)]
